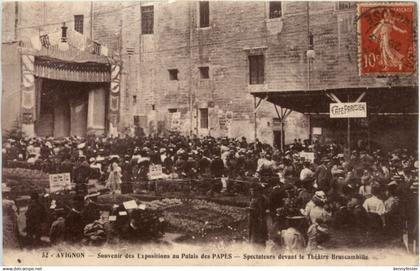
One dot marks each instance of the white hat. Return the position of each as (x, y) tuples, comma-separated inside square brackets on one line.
[(321, 195), (142, 159), (392, 183), (99, 158), (95, 194)]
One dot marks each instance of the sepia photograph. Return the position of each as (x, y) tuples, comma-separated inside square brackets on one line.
[(221, 133)]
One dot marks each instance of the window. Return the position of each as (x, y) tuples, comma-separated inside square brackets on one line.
[(256, 69), (78, 23), (147, 17), (173, 74), (136, 120), (275, 9), (130, 51), (172, 110), (204, 14), (345, 5), (204, 72), (204, 118), (134, 99), (311, 41)]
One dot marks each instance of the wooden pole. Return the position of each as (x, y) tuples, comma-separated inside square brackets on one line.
[(368, 131), (255, 118), (281, 135), (348, 132), (91, 20)]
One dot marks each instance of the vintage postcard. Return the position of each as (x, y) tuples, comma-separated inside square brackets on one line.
[(221, 133)]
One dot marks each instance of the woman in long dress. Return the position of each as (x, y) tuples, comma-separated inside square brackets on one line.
[(390, 57), (114, 178)]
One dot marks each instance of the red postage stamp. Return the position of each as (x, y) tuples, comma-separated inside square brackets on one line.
[(386, 38)]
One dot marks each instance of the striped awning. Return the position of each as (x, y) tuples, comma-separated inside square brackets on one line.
[(59, 69)]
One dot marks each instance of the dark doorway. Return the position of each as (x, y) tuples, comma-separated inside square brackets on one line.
[(63, 108), (277, 139)]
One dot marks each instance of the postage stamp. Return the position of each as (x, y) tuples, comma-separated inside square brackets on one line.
[(386, 38)]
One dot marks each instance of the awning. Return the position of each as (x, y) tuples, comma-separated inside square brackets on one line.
[(76, 58), (379, 100), (59, 69)]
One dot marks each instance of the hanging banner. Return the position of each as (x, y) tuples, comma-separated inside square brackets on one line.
[(348, 110), (114, 98), (28, 89), (175, 121)]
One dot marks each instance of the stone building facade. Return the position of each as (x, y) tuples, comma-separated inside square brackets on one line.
[(210, 91), (191, 66)]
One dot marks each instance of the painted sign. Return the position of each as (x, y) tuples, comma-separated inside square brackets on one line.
[(59, 182), (155, 172), (317, 130), (348, 110), (309, 156)]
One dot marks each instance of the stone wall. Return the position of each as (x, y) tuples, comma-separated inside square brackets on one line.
[(236, 30)]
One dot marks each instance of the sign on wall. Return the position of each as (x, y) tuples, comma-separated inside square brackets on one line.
[(348, 110), (317, 130)]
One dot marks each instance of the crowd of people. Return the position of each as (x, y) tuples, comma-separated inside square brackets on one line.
[(294, 201)]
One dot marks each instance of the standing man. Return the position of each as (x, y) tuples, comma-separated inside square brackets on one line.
[(35, 216), (306, 172), (323, 176), (258, 232)]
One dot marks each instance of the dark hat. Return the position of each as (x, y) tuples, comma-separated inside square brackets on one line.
[(78, 198), (308, 179), (325, 159), (34, 195), (257, 187)]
